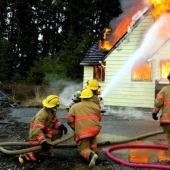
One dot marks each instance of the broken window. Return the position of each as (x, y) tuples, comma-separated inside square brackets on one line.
[(165, 69), (99, 72), (142, 72)]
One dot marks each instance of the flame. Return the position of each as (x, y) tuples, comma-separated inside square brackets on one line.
[(120, 30), (142, 72), (165, 69), (159, 7), (106, 32), (125, 21), (99, 72), (106, 45)]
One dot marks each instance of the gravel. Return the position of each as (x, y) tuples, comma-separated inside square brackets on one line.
[(65, 158)]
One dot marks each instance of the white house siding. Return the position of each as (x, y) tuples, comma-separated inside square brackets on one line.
[(88, 74), (125, 92)]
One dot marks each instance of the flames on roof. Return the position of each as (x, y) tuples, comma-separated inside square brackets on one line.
[(159, 7), (125, 23)]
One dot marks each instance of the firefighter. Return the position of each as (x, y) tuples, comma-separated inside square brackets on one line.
[(94, 86), (84, 118), (162, 102), (44, 128), (75, 99)]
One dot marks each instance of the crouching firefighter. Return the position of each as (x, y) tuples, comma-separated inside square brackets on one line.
[(84, 118), (44, 128)]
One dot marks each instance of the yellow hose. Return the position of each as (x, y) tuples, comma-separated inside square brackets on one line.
[(13, 152), (57, 142)]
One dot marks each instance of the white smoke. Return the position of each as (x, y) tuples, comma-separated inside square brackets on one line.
[(129, 113), (155, 38), (68, 92)]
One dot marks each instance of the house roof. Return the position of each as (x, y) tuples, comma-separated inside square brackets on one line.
[(96, 55)]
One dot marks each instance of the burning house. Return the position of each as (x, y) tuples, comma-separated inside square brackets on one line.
[(132, 60)]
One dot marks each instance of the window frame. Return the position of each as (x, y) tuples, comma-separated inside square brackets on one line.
[(101, 72), (141, 80), (163, 60)]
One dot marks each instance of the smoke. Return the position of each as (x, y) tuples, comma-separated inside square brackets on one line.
[(64, 89), (68, 91), (156, 36), (132, 11), (129, 8), (129, 113)]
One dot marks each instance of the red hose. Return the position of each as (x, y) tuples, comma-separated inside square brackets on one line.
[(125, 146)]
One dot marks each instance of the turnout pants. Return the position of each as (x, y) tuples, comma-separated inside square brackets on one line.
[(86, 146), (166, 129)]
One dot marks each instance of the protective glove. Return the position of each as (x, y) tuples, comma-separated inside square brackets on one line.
[(154, 116), (63, 128), (45, 146)]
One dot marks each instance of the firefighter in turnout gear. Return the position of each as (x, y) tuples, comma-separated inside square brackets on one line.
[(44, 128), (162, 102), (94, 86), (75, 99), (84, 118)]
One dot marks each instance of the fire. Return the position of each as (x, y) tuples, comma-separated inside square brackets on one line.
[(106, 45), (142, 72), (159, 7), (120, 30), (99, 72), (165, 69)]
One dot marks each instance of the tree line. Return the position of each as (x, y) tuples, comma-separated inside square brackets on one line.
[(42, 39)]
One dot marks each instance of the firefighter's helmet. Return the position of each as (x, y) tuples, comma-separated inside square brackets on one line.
[(51, 101), (86, 93), (93, 84)]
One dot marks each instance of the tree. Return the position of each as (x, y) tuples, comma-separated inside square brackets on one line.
[(59, 29)]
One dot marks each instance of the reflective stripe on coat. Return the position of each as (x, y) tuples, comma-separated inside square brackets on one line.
[(84, 117), (42, 126)]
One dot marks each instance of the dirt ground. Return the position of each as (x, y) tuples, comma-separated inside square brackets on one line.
[(65, 158)]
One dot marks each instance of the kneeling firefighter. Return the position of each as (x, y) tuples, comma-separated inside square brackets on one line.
[(84, 118), (44, 128)]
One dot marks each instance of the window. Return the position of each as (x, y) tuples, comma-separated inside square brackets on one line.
[(142, 72), (99, 72), (165, 69)]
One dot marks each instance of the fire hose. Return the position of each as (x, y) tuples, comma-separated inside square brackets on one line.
[(103, 143), (57, 142), (126, 146)]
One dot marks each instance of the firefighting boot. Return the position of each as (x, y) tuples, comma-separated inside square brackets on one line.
[(92, 159)]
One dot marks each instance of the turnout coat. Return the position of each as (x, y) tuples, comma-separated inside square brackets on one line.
[(84, 118), (162, 101), (42, 126)]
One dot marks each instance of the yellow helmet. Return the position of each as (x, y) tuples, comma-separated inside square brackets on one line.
[(86, 93), (93, 84), (51, 101)]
